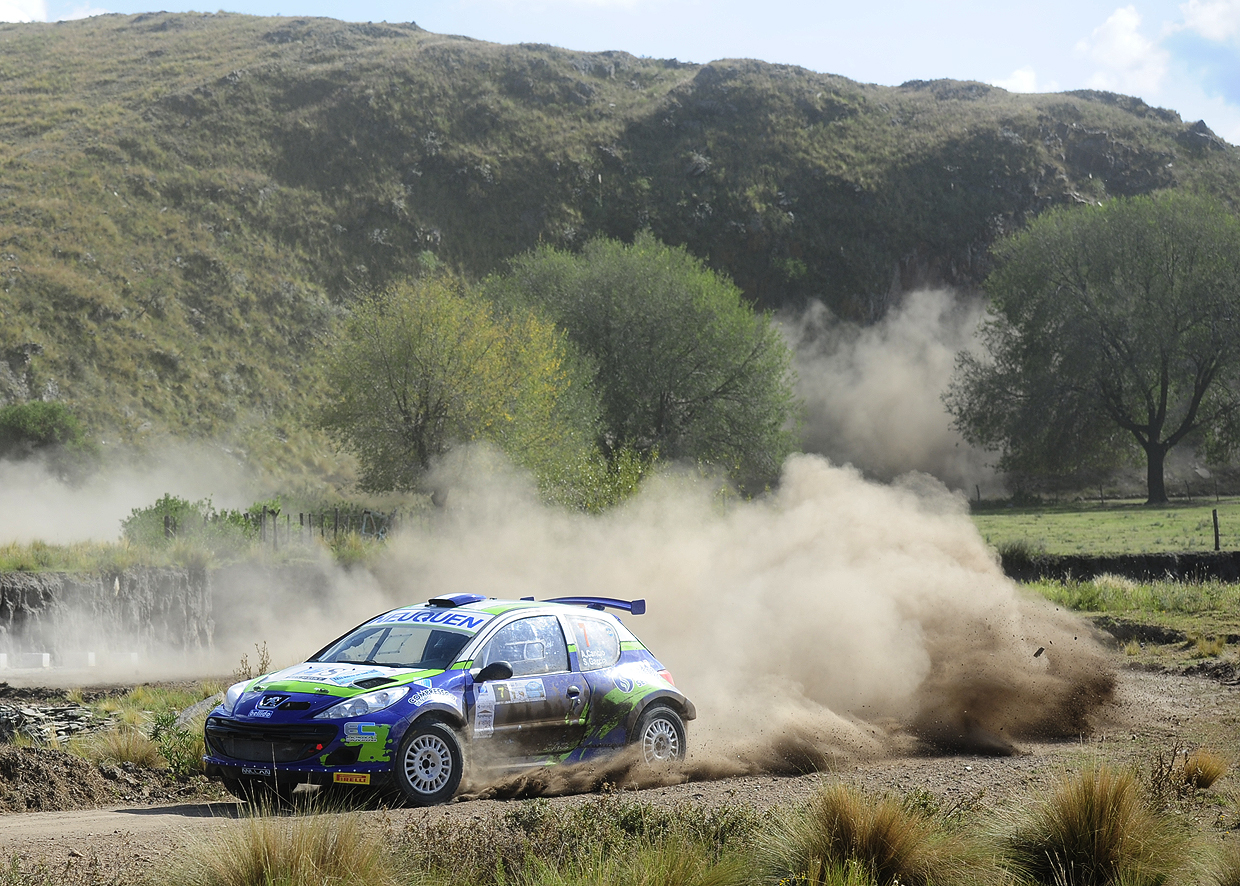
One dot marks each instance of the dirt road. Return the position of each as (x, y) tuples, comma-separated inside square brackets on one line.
[(1152, 712)]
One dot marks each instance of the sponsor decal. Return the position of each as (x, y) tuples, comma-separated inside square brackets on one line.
[(471, 621), (360, 732), (624, 684), (272, 701), (378, 750), (257, 713), (351, 777), (517, 692), (439, 695), (484, 711), (338, 674), (256, 770)]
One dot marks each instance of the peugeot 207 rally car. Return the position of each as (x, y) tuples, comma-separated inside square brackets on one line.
[(402, 701)]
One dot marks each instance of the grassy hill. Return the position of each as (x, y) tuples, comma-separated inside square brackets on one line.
[(186, 201)]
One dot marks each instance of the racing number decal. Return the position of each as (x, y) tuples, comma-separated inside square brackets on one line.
[(484, 712)]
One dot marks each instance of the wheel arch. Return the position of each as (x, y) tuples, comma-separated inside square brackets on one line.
[(677, 702)]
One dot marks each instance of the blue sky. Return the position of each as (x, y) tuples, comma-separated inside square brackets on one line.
[(1179, 55)]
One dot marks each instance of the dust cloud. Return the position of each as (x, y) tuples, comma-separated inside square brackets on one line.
[(838, 618), (37, 505), (872, 393)]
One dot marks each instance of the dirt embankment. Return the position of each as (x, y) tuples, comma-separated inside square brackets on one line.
[(1185, 566)]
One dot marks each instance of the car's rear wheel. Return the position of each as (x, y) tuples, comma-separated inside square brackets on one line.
[(660, 735), (429, 763)]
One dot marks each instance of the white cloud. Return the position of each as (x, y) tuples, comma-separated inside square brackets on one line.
[(23, 10), (83, 11), (1130, 62), (1025, 80), (1217, 20)]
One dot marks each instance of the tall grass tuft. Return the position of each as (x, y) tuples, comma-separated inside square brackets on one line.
[(1201, 769), (122, 744), (846, 836), (299, 851), (1097, 829)]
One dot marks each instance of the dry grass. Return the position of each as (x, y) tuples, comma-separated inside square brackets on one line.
[(1227, 867), (311, 850), (1201, 769), (844, 835), (1207, 646), (123, 744), (1096, 829)]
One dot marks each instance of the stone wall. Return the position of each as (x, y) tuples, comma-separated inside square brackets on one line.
[(140, 610)]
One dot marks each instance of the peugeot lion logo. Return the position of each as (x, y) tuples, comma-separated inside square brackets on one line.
[(272, 701)]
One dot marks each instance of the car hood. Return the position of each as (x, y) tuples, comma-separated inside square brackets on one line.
[(339, 678)]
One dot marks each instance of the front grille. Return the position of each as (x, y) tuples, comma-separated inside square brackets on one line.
[(267, 743)]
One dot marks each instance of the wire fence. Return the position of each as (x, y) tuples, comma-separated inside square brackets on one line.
[(282, 529)]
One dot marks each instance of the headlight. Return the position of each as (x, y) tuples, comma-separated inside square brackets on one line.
[(234, 693), (360, 705)]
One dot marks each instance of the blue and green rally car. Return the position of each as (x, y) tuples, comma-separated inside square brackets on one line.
[(408, 700)]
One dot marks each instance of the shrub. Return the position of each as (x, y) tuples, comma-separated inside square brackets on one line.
[(1096, 829), (50, 429), (843, 833), (182, 749)]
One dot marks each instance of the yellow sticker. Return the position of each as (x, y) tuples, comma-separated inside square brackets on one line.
[(351, 777)]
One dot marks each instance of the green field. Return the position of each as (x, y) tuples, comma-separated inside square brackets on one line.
[(1118, 527)]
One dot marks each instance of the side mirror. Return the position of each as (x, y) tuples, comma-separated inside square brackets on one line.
[(496, 670)]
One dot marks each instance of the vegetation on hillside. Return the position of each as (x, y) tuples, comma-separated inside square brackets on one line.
[(683, 367), (428, 365), (1115, 333), (188, 201)]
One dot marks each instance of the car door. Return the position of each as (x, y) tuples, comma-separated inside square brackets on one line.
[(611, 694), (540, 710)]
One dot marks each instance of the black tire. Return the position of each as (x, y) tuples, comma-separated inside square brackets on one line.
[(429, 763), (660, 736)]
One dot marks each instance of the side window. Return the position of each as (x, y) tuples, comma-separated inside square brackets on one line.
[(597, 643), (532, 646)]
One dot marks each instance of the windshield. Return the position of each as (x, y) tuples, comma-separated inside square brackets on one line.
[(418, 646)]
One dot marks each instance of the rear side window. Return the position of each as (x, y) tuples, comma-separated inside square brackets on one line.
[(532, 646), (597, 643)]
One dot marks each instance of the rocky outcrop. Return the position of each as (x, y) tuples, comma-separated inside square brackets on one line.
[(70, 616)]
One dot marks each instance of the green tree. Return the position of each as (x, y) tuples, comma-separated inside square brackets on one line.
[(426, 365), (683, 364), (1115, 333), (48, 430)]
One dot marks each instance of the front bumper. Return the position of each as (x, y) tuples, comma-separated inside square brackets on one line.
[(287, 753)]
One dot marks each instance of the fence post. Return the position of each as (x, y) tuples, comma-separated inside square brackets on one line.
[(336, 526), (1216, 540), (167, 527), (262, 525)]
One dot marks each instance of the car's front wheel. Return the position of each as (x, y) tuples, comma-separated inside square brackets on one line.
[(429, 763), (660, 734)]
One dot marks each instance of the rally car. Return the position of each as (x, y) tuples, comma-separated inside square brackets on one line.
[(407, 701)]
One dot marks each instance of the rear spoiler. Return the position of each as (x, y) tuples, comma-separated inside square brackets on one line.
[(633, 607)]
